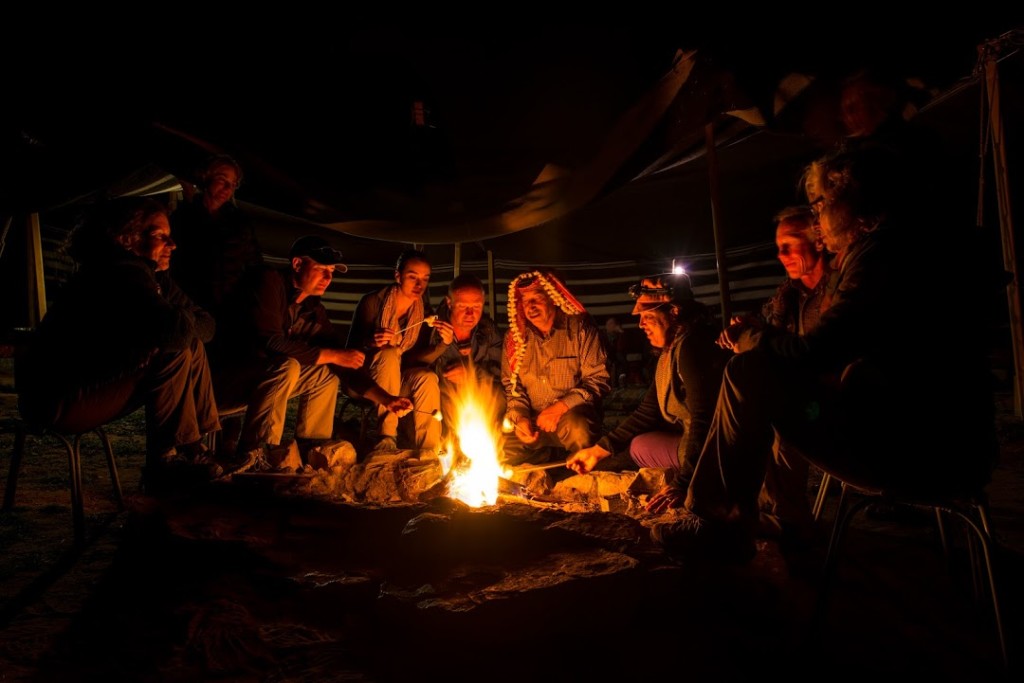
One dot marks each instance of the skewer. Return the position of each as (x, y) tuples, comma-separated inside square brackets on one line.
[(538, 468), (429, 320), (436, 414)]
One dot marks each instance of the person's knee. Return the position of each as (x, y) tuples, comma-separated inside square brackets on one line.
[(323, 377), (423, 384), (386, 361), (283, 372)]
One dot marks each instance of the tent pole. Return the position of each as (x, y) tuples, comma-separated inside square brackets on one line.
[(491, 294), (457, 267), (723, 273), (1005, 224), (36, 280)]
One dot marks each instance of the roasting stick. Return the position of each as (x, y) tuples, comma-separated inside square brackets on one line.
[(538, 468), (429, 320)]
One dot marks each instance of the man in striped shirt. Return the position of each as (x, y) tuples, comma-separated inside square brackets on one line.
[(553, 371)]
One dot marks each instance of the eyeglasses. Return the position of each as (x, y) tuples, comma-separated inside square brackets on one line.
[(817, 205)]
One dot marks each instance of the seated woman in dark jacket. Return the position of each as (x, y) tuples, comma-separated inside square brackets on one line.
[(121, 335)]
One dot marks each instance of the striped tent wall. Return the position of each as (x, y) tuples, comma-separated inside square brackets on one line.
[(753, 271)]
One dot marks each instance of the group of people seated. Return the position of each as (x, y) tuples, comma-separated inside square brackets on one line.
[(861, 364), (132, 328)]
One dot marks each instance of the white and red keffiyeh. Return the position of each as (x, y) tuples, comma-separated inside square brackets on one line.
[(515, 346)]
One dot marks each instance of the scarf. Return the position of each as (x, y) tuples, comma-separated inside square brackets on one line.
[(388, 319), (515, 340)]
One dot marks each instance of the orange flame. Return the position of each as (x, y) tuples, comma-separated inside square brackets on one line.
[(474, 480)]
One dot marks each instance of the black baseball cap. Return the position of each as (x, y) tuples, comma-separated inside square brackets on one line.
[(318, 249)]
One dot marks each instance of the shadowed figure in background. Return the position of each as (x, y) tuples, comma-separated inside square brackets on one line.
[(614, 339), (839, 394), (217, 245), (668, 428), (553, 370), (216, 241)]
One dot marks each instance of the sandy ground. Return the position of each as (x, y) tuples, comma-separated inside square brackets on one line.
[(244, 583)]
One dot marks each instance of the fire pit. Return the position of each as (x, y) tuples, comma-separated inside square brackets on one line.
[(467, 469)]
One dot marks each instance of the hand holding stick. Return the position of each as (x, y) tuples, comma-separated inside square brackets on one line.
[(429, 320)]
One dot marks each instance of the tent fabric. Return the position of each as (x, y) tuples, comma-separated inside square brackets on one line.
[(514, 129), (562, 146)]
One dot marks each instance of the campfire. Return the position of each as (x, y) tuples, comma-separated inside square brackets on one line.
[(471, 462), (468, 469)]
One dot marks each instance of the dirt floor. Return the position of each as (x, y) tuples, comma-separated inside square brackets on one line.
[(263, 582)]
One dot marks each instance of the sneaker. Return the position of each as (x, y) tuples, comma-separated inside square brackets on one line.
[(268, 459), (235, 464), (386, 446), (696, 538)]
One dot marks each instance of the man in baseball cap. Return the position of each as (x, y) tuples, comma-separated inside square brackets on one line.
[(318, 249), (293, 349)]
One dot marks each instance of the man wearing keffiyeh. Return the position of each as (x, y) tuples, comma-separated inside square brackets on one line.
[(385, 325), (553, 371)]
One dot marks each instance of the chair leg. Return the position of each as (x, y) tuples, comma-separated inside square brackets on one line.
[(979, 536), (73, 446), (983, 535), (844, 515), (115, 480), (12, 475), (75, 471)]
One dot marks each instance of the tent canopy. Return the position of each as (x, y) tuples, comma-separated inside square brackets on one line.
[(404, 135)]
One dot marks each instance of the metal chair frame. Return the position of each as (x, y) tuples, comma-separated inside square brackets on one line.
[(972, 511), (73, 446)]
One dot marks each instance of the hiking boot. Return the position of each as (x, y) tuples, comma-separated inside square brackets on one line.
[(696, 538)]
